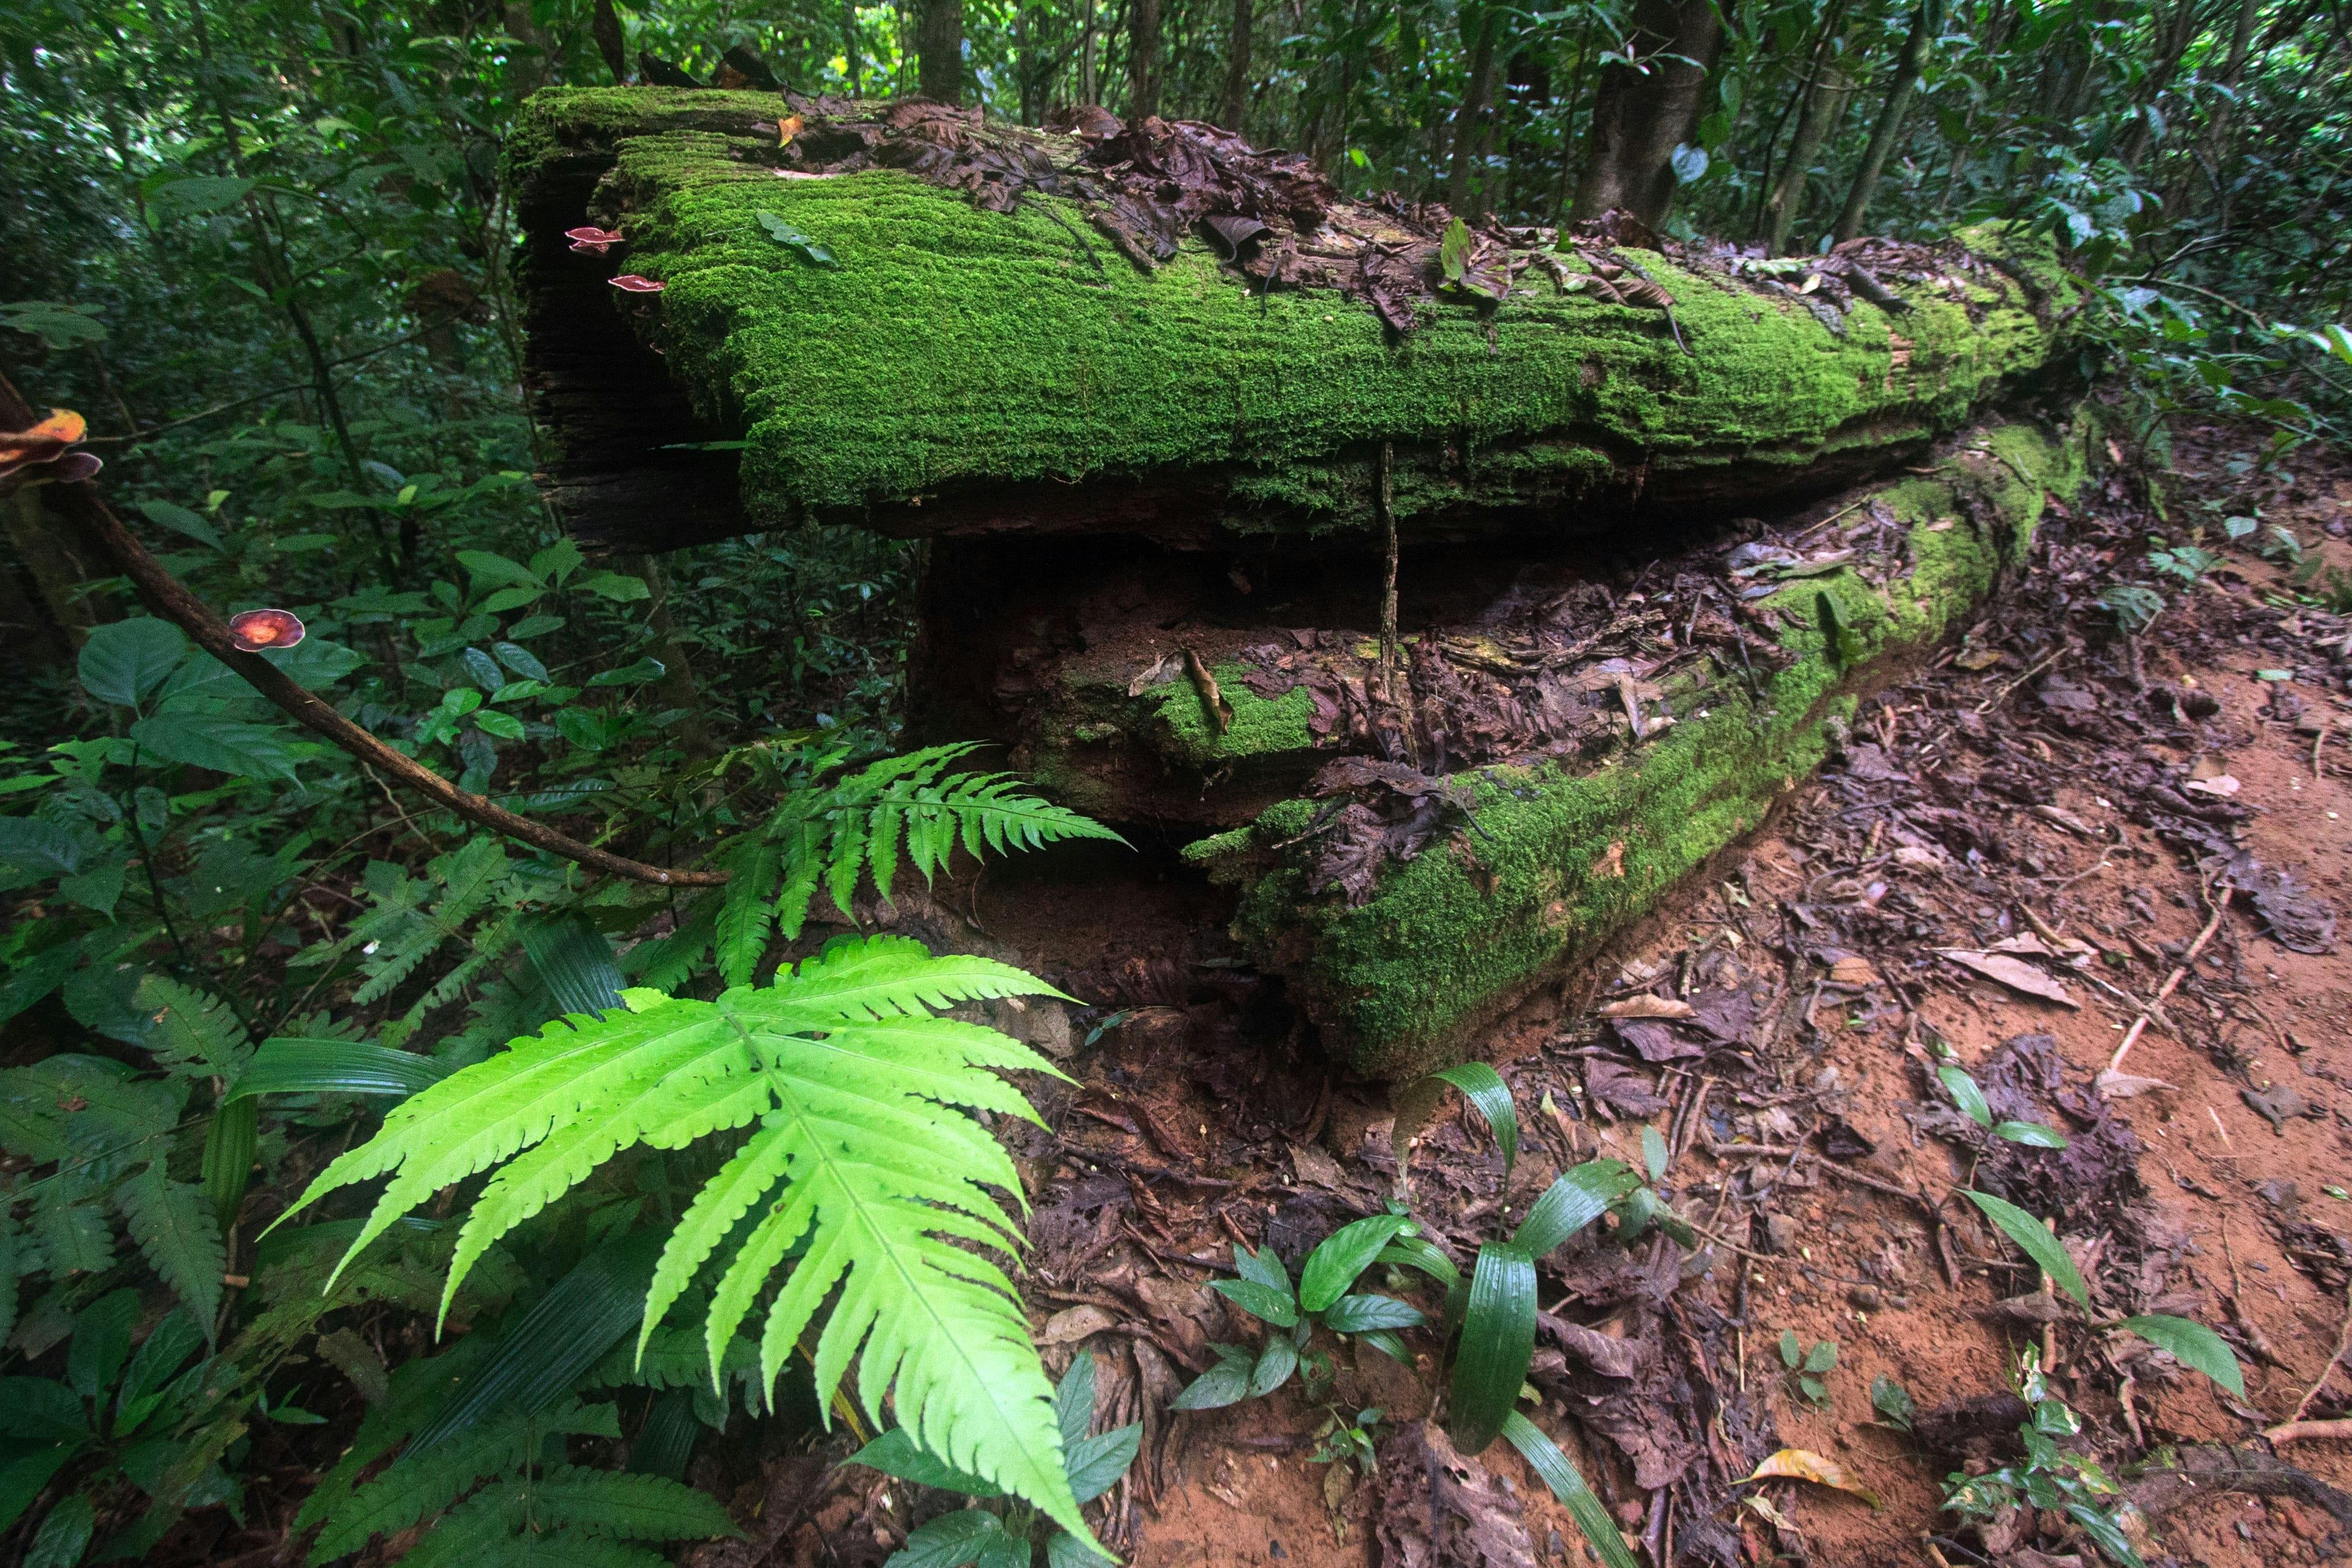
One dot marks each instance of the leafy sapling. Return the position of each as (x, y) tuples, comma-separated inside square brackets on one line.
[(1970, 1098), (2049, 1476), (1324, 1297), (1011, 1535), (1807, 1368)]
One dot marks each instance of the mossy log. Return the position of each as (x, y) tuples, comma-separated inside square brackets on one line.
[(956, 371), (1533, 865)]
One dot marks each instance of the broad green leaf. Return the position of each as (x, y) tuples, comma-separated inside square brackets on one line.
[(2036, 1243), (1259, 1300), (1095, 1463), (1499, 1342), (618, 586), (102, 1342), (1361, 1313), (896, 1454), (2191, 1344), (1654, 1153), (242, 751), (1274, 1365), (1822, 1357), (2033, 1134), (1966, 1094), (1582, 1194), (1264, 1266), (1343, 1254), (1566, 1483), (1894, 1402), (232, 1135), (1067, 1551), (1074, 1401), (1227, 1382), (180, 519), (488, 566), (952, 1541), (43, 847), (792, 239), (1485, 1087), (64, 1535), (125, 660), (1420, 1253)]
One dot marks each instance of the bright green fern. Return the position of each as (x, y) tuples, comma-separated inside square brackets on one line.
[(862, 1158), (828, 836)]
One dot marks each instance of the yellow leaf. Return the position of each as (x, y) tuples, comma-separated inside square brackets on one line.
[(1804, 1465)]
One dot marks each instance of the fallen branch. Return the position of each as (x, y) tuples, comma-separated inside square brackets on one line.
[(2295, 1431), (169, 598)]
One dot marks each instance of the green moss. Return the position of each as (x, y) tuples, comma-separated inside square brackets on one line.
[(1557, 861), (951, 345)]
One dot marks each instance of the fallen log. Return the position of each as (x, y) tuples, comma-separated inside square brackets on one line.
[(1166, 408), (823, 338), (1406, 911)]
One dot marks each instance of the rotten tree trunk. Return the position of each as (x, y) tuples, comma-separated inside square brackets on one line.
[(1640, 116)]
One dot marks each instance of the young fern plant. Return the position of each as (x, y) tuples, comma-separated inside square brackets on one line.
[(863, 1160), (823, 836)]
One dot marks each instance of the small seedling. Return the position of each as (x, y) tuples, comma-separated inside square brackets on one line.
[(1893, 1403), (1345, 1438), (1808, 1367), (1010, 1538), (1324, 1297), (2048, 1477)]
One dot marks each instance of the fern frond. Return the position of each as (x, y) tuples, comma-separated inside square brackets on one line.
[(193, 1029), (490, 1112), (746, 912), (860, 1153), (175, 1227), (623, 1506)]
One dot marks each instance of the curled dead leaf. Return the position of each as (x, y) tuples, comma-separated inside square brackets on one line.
[(1645, 1006), (1804, 1465), (2013, 973), (1071, 1324)]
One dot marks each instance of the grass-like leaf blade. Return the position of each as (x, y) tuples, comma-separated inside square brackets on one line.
[(1499, 1340), (1566, 1483)]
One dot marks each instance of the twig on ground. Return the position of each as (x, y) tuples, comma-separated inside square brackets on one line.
[(2131, 1036)]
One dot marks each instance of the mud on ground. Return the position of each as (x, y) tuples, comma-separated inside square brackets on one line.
[(2014, 852)]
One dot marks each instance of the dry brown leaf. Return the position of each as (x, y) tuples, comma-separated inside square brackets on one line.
[(1978, 659), (788, 128), (1804, 1465), (1071, 1324), (1645, 1006), (1853, 970), (2112, 1084), (2220, 784), (2013, 973)]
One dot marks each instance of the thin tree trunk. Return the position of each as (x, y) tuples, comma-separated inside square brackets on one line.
[(1237, 66), (1923, 23), (1086, 93), (604, 24), (1799, 100), (1142, 59), (44, 549), (1640, 116), (849, 49), (1824, 106), (938, 50), (1472, 122)]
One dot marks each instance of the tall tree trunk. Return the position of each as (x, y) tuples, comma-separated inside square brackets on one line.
[(51, 558), (1639, 116), (1824, 106), (1481, 26), (1086, 90), (849, 49), (1237, 66), (1142, 59), (1923, 23), (938, 50)]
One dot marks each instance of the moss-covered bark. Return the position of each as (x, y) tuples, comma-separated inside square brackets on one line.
[(1560, 857), (961, 370)]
